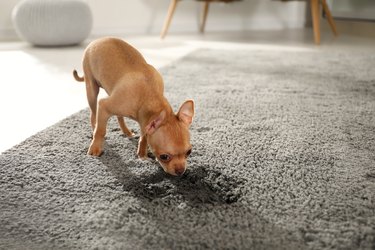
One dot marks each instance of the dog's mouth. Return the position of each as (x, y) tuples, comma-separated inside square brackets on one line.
[(174, 172)]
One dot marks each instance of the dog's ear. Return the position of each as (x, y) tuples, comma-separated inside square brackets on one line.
[(155, 123), (186, 112)]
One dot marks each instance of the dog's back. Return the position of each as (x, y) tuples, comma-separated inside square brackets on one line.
[(109, 60)]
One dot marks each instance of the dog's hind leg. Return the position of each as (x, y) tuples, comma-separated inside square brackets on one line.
[(92, 91), (123, 127)]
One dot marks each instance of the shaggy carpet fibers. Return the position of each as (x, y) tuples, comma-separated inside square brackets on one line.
[(283, 158)]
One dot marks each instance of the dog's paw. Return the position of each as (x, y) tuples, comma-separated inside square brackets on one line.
[(143, 158), (142, 153), (130, 135), (95, 150)]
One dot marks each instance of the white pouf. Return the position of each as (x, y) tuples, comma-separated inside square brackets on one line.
[(52, 22)]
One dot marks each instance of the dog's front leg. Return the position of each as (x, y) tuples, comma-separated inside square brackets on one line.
[(102, 116), (142, 147)]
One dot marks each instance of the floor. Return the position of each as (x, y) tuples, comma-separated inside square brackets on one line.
[(38, 90)]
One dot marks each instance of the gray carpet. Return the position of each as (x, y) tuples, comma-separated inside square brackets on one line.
[(283, 158)]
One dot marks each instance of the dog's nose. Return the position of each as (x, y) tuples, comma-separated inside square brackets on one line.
[(179, 171)]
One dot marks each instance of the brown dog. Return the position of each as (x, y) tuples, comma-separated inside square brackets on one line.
[(135, 90)]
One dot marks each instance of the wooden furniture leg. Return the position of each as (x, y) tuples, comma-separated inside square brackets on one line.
[(206, 6), (329, 17), (315, 18), (167, 22)]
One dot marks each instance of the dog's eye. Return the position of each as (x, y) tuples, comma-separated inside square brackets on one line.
[(188, 152), (165, 157)]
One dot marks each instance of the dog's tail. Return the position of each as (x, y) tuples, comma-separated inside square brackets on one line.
[(77, 77)]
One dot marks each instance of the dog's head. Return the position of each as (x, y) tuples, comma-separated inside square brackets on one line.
[(169, 138)]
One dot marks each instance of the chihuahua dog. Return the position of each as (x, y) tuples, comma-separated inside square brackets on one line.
[(135, 90)]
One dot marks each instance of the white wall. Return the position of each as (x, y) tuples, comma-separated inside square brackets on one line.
[(6, 27), (147, 16), (114, 17), (357, 9)]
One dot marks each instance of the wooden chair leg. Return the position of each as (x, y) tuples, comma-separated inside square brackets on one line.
[(168, 19), (315, 18), (206, 6), (329, 17)]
